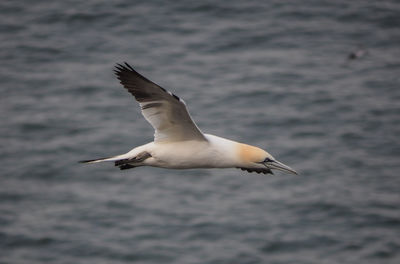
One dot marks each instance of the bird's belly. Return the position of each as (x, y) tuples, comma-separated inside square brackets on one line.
[(188, 155)]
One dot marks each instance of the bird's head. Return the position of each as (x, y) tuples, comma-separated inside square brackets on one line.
[(256, 159)]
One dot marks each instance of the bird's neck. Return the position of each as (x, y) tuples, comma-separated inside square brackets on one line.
[(237, 153)]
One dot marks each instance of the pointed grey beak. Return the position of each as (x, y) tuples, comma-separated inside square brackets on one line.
[(279, 166)]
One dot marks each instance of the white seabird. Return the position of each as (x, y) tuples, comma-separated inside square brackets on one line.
[(178, 142)]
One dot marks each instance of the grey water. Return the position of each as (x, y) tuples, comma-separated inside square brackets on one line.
[(275, 74)]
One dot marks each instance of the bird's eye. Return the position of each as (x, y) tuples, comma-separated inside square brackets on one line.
[(268, 160)]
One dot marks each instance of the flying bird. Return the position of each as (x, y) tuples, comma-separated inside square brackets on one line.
[(178, 142)]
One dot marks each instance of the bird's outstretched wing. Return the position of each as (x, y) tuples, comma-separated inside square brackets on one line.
[(165, 111)]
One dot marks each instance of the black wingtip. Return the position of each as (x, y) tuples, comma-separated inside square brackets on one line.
[(121, 67), (257, 170), (129, 66), (126, 167)]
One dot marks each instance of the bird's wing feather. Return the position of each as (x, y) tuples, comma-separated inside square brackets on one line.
[(258, 170), (165, 111)]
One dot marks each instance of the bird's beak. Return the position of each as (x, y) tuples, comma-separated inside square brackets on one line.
[(280, 166)]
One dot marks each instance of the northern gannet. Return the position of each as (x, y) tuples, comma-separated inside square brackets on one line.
[(178, 142)]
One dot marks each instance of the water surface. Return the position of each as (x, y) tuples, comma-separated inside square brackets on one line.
[(273, 74)]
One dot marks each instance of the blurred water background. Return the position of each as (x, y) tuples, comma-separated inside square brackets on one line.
[(270, 73)]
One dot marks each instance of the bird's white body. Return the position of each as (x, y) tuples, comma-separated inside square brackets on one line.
[(216, 152), (178, 142)]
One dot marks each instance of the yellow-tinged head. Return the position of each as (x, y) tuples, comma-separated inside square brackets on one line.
[(255, 159), (250, 154)]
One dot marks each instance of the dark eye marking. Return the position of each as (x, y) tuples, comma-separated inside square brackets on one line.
[(268, 160)]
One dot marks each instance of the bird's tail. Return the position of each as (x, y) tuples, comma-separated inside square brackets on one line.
[(101, 159)]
